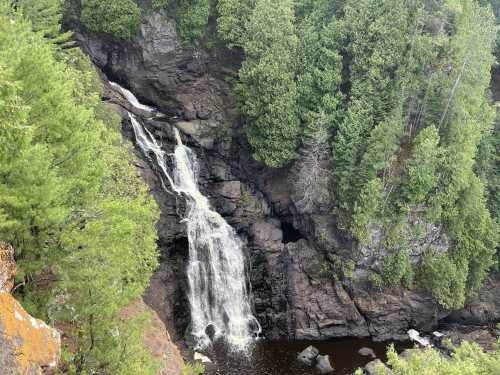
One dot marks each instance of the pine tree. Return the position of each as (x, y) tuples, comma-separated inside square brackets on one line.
[(267, 89)]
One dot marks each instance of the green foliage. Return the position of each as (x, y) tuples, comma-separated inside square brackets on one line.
[(397, 269), (158, 4), (468, 358), (422, 166), (233, 17), (367, 210), (320, 76), (120, 18), (193, 369), (379, 35), (45, 15), (192, 18), (267, 89), (495, 6), (488, 169), (445, 279), (71, 201)]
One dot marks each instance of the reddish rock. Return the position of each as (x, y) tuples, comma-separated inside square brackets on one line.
[(27, 345), (157, 339)]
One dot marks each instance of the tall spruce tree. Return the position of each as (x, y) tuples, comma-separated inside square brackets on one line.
[(267, 89)]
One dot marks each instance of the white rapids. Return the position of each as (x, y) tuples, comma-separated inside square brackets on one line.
[(218, 294), (131, 98)]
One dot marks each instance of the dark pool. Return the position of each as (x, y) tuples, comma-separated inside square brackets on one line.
[(279, 357)]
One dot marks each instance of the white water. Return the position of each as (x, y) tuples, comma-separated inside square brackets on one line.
[(218, 293), (131, 98)]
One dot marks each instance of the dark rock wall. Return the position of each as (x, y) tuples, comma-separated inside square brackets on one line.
[(293, 296)]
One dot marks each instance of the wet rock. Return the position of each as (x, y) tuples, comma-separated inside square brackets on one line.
[(323, 364), (157, 339), (384, 311), (373, 367), (367, 352), (7, 267), (415, 336), (229, 189), (321, 307), (308, 355), (202, 358)]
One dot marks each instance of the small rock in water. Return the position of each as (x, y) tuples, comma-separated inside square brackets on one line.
[(375, 364), (415, 336), (367, 352), (307, 355), (202, 358), (323, 364)]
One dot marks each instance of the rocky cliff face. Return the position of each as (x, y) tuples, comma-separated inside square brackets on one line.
[(28, 346), (293, 295)]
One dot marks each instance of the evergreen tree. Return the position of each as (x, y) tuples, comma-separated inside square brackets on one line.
[(71, 201), (232, 20), (267, 89)]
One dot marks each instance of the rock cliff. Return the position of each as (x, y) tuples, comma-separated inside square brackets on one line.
[(293, 295), (28, 346)]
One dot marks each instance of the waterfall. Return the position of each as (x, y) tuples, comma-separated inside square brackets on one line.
[(131, 98), (218, 295)]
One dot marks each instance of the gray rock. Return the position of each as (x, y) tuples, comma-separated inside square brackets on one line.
[(323, 364), (373, 365), (229, 189), (367, 352), (308, 355)]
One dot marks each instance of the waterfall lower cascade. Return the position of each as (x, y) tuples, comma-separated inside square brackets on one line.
[(218, 293)]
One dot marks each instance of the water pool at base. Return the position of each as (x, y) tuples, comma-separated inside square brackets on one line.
[(279, 357)]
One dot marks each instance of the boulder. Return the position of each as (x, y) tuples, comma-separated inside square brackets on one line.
[(202, 358), (307, 355), (323, 364), (367, 352), (372, 367), (415, 336), (27, 345)]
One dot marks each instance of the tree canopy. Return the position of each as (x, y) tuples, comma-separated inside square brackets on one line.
[(71, 201)]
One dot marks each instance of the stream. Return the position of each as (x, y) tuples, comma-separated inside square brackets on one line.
[(280, 357)]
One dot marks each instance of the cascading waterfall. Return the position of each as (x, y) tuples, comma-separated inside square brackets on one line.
[(218, 293)]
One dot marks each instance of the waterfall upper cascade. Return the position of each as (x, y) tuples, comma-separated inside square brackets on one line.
[(218, 292)]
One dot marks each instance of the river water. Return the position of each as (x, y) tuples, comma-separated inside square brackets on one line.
[(279, 357)]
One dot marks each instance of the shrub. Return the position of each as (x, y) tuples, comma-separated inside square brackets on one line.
[(120, 18)]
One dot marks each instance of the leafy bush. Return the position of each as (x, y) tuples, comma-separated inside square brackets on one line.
[(192, 19), (468, 358), (398, 270), (445, 279), (120, 18)]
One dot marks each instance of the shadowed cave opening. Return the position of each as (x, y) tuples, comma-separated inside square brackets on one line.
[(290, 233)]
